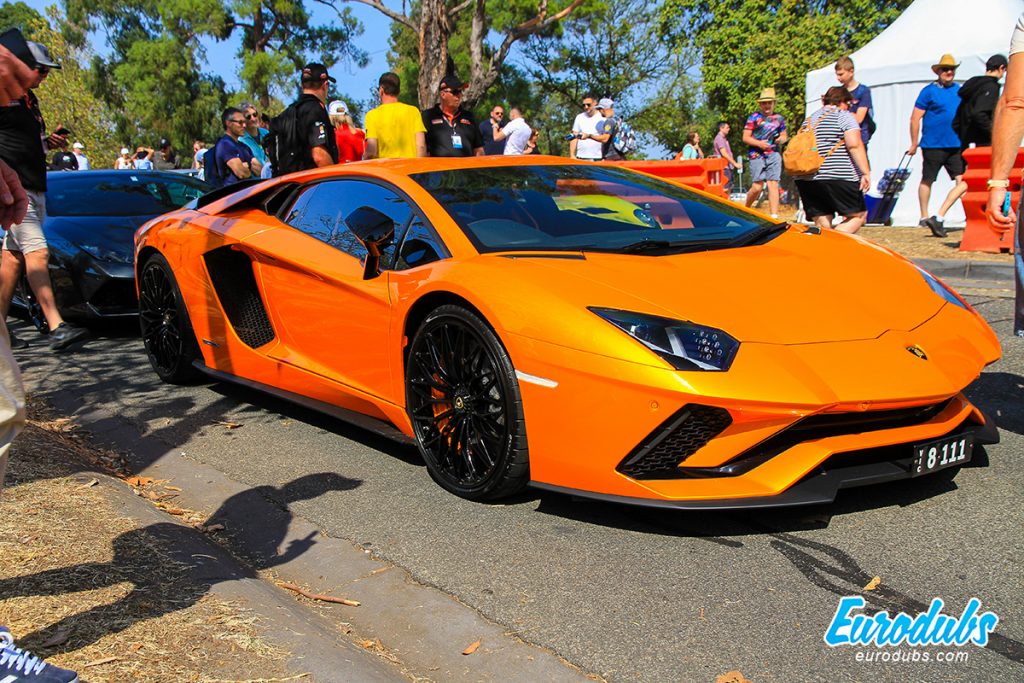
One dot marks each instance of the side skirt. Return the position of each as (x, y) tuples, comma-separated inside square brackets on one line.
[(378, 427)]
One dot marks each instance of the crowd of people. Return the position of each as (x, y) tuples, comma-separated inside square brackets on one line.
[(315, 131)]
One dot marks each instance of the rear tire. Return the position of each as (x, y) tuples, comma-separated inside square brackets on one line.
[(166, 330), (463, 399)]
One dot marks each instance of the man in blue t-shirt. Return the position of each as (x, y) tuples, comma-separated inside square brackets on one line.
[(940, 146), (230, 161)]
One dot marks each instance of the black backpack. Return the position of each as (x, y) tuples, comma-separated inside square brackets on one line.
[(282, 144)]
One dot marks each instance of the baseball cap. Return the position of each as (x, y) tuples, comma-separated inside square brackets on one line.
[(164, 143), (41, 55), (337, 107), (314, 71), (78, 145), (452, 82), (125, 150), (606, 103), (995, 62)]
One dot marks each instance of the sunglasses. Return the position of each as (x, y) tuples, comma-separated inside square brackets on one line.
[(43, 70), (252, 116), (239, 121), (946, 69), (588, 105)]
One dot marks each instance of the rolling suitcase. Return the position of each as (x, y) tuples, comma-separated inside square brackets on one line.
[(892, 183)]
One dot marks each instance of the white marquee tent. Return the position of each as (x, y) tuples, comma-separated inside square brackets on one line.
[(897, 64)]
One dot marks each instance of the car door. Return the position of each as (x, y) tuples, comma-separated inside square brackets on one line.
[(331, 321)]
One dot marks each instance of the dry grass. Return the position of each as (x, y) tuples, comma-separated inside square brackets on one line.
[(91, 591)]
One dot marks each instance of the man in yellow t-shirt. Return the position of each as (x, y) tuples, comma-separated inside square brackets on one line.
[(394, 130)]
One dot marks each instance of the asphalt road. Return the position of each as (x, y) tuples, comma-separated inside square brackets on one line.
[(629, 594)]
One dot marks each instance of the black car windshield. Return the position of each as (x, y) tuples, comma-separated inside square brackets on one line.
[(585, 207), (121, 193)]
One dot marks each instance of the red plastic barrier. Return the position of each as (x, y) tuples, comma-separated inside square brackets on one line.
[(978, 235), (700, 174)]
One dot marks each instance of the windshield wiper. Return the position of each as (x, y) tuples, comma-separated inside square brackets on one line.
[(760, 235)]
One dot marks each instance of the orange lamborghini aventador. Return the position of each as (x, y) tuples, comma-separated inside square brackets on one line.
[(574, 327)]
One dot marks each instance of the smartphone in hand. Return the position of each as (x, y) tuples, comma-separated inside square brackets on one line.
[(62, 131)]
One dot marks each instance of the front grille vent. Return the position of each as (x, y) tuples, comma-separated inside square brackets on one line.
[(658, 456)]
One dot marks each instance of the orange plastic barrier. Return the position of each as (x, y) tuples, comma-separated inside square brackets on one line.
[(700, 174), (978, 235)]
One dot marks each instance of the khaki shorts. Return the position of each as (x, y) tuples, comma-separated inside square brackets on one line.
[(27, 236)]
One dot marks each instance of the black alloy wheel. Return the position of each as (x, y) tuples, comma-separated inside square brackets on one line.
[(467, 414), (166, 330), (33, 310)]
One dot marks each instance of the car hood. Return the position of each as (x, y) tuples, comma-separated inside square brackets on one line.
[(799, 288), (109, 235)]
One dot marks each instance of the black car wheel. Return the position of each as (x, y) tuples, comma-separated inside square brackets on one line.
[(467, 414), (166, 330), (23, 294)]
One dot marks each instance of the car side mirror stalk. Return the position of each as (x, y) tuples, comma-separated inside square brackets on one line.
[(375, 231)]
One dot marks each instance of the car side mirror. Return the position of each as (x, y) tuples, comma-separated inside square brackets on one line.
[(375, 231)]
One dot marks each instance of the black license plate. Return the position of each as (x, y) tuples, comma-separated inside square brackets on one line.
[(949, 451)]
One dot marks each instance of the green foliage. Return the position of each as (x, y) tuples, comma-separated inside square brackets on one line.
[(65, 97), (747, 45), (19, 15)]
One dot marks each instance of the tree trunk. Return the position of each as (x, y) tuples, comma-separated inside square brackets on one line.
[(434, 31)]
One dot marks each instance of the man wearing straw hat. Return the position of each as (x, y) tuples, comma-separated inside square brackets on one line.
[(763, 133), (940, 146)]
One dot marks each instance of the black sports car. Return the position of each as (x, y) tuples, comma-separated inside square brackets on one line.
[(91, 218)]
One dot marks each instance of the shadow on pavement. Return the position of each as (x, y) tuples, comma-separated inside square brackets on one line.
[(140, 559)]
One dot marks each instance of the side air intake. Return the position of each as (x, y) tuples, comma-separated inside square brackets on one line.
[(233, 279)]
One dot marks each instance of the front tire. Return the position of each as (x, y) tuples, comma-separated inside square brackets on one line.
[(464, 403), (166, 329)]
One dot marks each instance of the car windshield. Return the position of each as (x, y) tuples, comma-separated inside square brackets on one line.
[(124, 193), (585, 207)]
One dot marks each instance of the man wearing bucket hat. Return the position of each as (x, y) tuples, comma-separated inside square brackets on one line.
[(935, 108), (763, 133)]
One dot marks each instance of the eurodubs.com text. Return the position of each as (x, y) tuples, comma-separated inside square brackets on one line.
[(911, 657)]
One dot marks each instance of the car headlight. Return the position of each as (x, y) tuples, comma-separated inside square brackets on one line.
[(944, 290), (686, 345), (105, 255)]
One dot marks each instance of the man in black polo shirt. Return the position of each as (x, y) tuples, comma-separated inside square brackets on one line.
[(23, 145), (315, 132), (451, 131)]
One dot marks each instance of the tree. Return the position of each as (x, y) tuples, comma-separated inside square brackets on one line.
[(20, 16), (747, 45), (65, 97), (277, 37), (433, 22), (613, 50), (152, 78)]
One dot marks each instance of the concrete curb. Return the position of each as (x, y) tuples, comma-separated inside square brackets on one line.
[(959, 269), (425, 628), (316, 645)]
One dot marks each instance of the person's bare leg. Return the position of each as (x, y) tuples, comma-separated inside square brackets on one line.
[(958, 191), (924, 194), (773, 197), (10, 270), (754, 192), (38, 275), (823, 222), (852, 223)]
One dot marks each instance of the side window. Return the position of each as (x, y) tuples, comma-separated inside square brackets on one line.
[(321, 210), (419, 246)]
